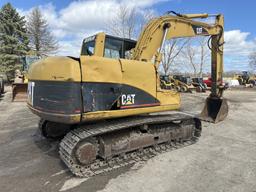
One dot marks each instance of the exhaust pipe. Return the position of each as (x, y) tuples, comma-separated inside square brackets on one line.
[(215, 110)]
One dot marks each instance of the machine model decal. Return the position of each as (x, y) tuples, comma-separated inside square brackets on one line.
[(88, 39), (128, 99)]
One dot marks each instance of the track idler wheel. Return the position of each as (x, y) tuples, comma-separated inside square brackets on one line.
[(215, 110), (52, 130)]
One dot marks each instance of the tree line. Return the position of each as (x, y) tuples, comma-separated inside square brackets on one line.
[(20, 36)]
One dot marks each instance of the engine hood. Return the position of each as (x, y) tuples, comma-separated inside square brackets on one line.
[(58, 68)]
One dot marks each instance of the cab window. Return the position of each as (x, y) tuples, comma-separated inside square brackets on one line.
[(88, 46), (128, 46), (118, 48), (113, 48)]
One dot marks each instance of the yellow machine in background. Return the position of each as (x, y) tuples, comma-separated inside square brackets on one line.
[(20, 84), (175, 83), (106, 102), (183, 83), (245, 79), (166, 83)]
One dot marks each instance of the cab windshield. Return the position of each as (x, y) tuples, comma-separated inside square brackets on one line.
[(88, 46), (116, 47)]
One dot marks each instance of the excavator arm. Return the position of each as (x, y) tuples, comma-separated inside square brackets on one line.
[(151, 42)]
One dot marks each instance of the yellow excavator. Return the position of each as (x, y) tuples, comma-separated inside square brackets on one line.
[(105, 104)]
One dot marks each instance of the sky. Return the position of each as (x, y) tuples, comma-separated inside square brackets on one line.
[(71, 21)]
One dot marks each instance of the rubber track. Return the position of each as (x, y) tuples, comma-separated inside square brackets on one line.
[(69, 142)]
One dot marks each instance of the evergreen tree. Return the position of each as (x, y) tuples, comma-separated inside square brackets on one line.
[(13, 38), (42, 42)]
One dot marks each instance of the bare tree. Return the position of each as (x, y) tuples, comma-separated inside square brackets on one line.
[(42, 42), (189, 55), (124, 22), (128, 21), (171, 50), (146, 16), (204, 54), (252, 61), (195, 55)]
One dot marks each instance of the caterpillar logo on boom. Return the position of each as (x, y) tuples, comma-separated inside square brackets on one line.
[(128, 99), (199, 30)]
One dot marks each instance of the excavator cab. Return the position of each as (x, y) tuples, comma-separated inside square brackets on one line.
[(113, 47)]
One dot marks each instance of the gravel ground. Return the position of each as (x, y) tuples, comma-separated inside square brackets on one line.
[(224, 159)]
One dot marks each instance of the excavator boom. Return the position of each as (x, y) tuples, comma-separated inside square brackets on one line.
[(151, 42)]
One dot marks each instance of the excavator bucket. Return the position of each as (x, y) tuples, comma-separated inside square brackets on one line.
[(19, 92), (215, 109)]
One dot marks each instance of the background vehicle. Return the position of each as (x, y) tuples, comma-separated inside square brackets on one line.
[(166, 83), (108, 104), (245, 79), (176, 82), (199, 84), (20, 84), (208, 81), (184, 82)]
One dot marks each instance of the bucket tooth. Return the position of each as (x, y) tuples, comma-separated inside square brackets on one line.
[(215, 109)]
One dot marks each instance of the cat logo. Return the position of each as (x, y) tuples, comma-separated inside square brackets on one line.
[(128, 99), (199, 30)]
